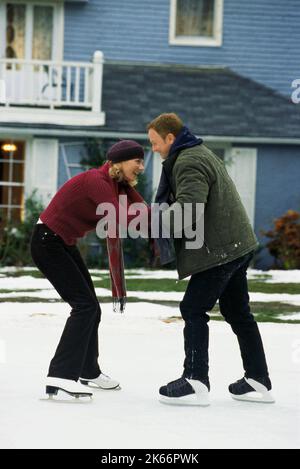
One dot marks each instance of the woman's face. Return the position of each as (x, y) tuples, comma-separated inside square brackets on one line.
[(132, 168)]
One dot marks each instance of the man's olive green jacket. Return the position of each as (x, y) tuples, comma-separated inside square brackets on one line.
[(197, 175)]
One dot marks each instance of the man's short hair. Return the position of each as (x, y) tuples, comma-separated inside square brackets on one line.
[(167, 123)]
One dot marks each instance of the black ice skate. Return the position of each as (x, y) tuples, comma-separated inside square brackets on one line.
[(184, 391), (248, 389)]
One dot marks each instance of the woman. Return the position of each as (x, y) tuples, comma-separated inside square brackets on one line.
[(69, 216)]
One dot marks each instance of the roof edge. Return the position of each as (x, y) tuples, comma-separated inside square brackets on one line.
[(64, 132)]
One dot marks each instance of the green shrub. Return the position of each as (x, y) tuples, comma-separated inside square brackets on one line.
[(15, 237)]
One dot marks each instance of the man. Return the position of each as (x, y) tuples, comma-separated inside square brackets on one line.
[(192, 174)]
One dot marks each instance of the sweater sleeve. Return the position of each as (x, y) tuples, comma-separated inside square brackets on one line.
[(101, 192)]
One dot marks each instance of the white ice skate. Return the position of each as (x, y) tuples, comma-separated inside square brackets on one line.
[(67, 386), (254, 392), (102, 382)]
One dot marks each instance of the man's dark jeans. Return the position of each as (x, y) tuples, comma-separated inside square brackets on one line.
[(77, 352), (228, 283)]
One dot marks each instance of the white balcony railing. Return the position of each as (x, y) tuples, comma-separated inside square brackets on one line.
[(52, 89)]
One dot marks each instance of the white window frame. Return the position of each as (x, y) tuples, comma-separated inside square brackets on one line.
[(58, 27), (9, 183), (215, 41)]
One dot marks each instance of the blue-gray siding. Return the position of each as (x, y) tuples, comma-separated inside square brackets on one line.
[(260, 38), (277, 189)]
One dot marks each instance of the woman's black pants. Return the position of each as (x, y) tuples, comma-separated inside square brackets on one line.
[(77, 352)]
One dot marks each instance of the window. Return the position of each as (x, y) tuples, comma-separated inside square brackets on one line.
[(42, 32), (196, 22), (11, 181), (15, 31), (31, 30)]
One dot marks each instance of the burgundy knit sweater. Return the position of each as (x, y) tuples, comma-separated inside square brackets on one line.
[(72, 211)]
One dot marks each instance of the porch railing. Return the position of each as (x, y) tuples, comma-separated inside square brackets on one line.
[(52, 84)]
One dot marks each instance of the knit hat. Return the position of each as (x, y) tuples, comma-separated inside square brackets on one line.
[(125, 150)]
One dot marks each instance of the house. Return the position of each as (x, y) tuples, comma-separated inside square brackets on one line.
[(102, 69)]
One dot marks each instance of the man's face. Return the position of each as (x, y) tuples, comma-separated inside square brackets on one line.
[(159, 144)]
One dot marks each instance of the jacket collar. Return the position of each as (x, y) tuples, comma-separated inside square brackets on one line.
[(185, 139)]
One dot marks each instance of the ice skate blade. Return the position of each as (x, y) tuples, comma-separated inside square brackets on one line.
[(53, 390), (191, 400), (66, 396), (72, 400), (254, 396)]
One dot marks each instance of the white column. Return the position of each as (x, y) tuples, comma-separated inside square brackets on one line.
[(242, 170), (2, 29), (97, 81), (2, 91), (156, 172), (41, 168)]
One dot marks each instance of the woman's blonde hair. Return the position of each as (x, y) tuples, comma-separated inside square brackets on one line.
[(115, 172)]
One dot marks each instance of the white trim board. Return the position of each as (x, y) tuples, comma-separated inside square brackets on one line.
[(135, 136), (46, 116)]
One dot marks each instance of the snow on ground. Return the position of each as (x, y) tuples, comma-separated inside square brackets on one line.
[(28, 282), (14, 269), (276, 276), (280, 297), (177, 296), (273, 276), (282, 276), (50, 293), (294, 316), (23, 283), (143, 352)]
